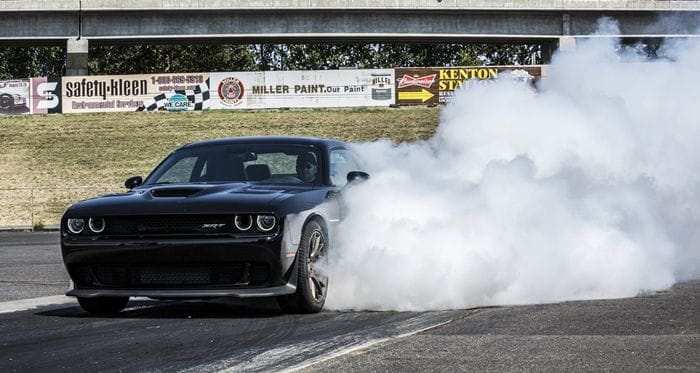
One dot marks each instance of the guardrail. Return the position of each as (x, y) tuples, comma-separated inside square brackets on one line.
[(25, 208)]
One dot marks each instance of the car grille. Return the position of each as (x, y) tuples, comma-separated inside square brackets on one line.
[(174, 225), (169, 224), (160, 276)]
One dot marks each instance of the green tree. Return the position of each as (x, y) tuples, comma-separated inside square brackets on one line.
[(169, 58), (327, 56), (23, 62), (509, 54)]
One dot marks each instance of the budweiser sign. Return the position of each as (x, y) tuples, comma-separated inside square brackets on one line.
[(420, 81)]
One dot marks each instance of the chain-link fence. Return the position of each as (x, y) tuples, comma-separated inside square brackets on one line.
[(36, 207)]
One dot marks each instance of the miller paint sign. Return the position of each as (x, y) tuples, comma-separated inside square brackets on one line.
[(302, 89)]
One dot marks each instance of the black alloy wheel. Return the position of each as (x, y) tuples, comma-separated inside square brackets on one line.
[(312, 267), (103, 305)]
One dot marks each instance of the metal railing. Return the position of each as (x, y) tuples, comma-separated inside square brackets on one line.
[(42, 206)]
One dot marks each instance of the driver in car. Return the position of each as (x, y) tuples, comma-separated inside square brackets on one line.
[(307, 167)]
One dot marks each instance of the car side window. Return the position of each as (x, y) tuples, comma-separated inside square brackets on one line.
[(341, 163), (279, 163)]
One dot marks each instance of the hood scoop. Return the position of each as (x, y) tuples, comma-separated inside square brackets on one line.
[(175, 192)]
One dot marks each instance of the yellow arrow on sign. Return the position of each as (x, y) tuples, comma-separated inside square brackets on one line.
[(423, 95)]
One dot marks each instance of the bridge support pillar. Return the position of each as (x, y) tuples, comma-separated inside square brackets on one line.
[(567, 44), (77, 57)]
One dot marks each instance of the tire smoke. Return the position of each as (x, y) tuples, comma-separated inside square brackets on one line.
[(587, 188)]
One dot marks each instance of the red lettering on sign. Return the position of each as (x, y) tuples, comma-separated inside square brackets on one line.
[(420, 81)]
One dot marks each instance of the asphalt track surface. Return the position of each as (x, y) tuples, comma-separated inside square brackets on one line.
[(31, 265), (651, 332)]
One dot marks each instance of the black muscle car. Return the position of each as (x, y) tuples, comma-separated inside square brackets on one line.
[(240, 217)]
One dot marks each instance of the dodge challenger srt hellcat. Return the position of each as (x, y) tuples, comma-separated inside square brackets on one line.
[(239, 217)]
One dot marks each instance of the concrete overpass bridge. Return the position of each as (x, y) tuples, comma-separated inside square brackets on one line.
[(80, 23)]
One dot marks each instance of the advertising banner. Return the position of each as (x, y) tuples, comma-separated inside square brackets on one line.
[(249, 90), (433, 85), (145, 92), (297, 89), (46, 95), (14, 96)]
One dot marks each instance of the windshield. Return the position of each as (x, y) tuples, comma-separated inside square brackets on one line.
[(262, 163)]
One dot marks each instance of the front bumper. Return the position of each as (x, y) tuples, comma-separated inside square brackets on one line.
[(178, 267)]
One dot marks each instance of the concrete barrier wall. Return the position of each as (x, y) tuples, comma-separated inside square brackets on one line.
[(96, 5)]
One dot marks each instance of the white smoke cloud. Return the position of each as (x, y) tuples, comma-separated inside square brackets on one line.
[(587, 188)]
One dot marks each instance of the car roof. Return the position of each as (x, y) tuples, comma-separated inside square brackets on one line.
[(320, 142)]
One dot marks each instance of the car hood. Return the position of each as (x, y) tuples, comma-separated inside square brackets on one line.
[(191, 198)]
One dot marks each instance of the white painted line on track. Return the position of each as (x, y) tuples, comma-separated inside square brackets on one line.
[(27, 304), (344, 351), (278, 359)]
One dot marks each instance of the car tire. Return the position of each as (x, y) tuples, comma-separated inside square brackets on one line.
[(103, 305), (312, 283), (6, 102)]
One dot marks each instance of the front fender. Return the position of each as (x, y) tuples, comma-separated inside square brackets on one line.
[(294, 226)]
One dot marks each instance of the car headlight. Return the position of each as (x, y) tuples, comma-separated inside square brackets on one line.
[(97, 225), (75, 225), (243, 222), (266, 223)]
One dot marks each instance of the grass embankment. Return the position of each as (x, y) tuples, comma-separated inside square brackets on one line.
[(67, 157)]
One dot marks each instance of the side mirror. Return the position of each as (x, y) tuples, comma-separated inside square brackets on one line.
[(133, 182), (357, 175)]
